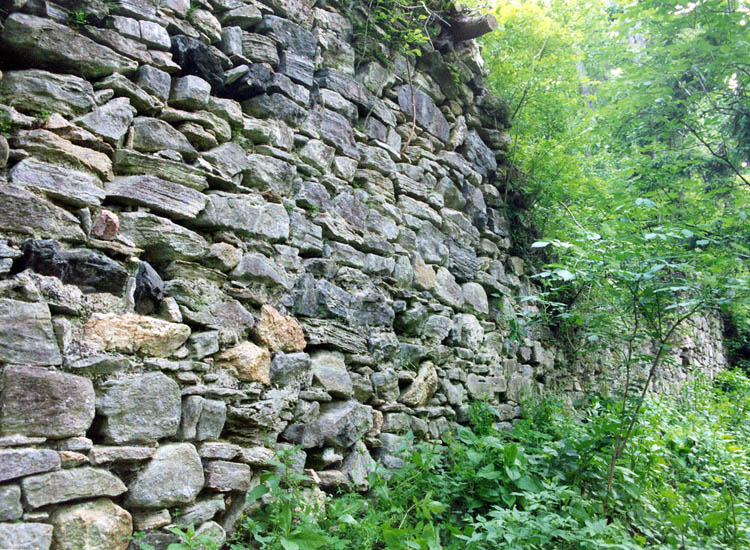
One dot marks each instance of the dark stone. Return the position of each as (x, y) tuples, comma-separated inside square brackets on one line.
[(481, 156), (254, 82), (335, 131), (275, 106), (149, 289), (89, 270), (198, 59)]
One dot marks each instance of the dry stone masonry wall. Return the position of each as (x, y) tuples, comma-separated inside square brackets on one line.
[(218, 237)]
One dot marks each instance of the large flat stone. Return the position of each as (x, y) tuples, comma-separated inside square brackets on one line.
[(89, 270), (151, 135), (173, 477), (16, 463), (52, 45), (172, 199), (162, 239), (26, 335), (35, 90), (246, 215), (110, 121), (55, 487), (39, 402), (427, 113), (96, 525), (131, 333), (26, 214), (224, 476), (127, 162), (140, 409), (25, 536), (60, 183)]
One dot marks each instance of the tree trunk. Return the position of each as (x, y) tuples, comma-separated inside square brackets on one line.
[(466, 27)]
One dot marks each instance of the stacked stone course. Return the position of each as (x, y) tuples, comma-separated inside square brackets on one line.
[(218, 238)]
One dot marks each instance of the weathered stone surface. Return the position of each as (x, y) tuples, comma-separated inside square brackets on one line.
[(73, 187), (475, 298), (128, 162), (140, 409), (256, 268), (36, 90), (481, 156), (26, 214), (196, 58), (247, 215), (226, 476), (427, 114), (110, 121), (247, 362), (25, 536), (423, 387), (16, 463), (89, 270), (335, 130), (130, 333), (54, 487), (51, 148), (10, 503), (56, 46), (287, 368), (279, 332), (149, 520), (154, 81), (151, 135), (40, 402), (329, 370), (467, 331), (96, 525), (149, 289), (447, 289), (173, 477), (340, 424), (201, 511), (103, 454), (139, 98), (171, 199), (162, 239), (358, 465), (154, 35), (26, 335), (4, 152), (189, 92)]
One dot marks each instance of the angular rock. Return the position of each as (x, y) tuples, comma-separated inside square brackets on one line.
[(223, 256), (173, 477), (149, 289), (467, 331), (151, 135), (335, 130), (77, 483), (16, 463), (96, 525), (481, 156), (427, 113), (190, 92), (26, 335), (447, 289), (212, 419), (247, 362), (226, 476), (73, 187), (171, 199), (154, 35), (110, 121), (127, 162), (40, 402), (131, 333), (139, 98), (230, 159), (329, 370), (340, 424), (101, 454), (279, 332), (25, 536), (256, 267), (358, 465), (162, 239), (154, 81), (37, 91), (287, 368), (56, 46), (423, 387), (140, 409), (260, 49), (89, 270), (196, 58), (292, 37), (10, 503), (475, 298), (246, 215)]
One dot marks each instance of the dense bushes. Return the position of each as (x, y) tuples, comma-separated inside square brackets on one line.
[(683, 483)]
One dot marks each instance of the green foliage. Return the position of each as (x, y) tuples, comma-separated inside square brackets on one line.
[(6, 126), (189, 540), (686, 484), (78, 18)]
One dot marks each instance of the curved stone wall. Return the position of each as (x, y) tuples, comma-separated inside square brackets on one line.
[(222, 232)]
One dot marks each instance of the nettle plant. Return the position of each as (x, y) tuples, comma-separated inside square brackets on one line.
[(631, 292)]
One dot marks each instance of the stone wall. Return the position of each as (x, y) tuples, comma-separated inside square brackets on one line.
[(218, 237)]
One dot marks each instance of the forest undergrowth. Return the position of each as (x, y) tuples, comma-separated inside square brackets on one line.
[(683, 484)]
